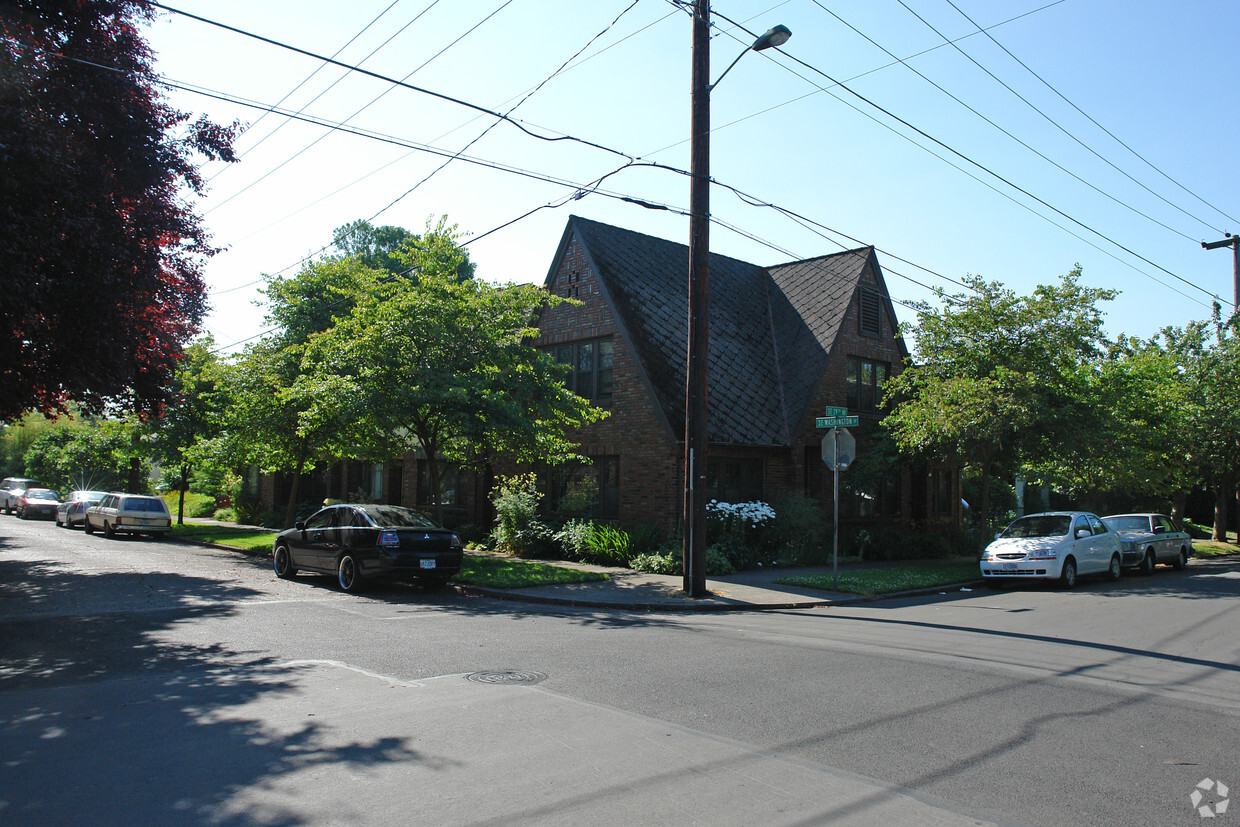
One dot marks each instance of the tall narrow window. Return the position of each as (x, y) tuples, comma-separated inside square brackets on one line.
[(590, 362), (864, 383)]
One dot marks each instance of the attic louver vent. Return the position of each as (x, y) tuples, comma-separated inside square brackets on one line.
[(871, 313)]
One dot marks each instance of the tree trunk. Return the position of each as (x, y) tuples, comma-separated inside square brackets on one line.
[(1220, 513), (1179, 502), (983, 533), (185, 471), (290, 511)]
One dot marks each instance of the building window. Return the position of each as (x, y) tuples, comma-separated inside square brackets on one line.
[(871, 312), (570, 488), (455, 484), (590, 361), (880, 498), (866, 379), (734, 480)]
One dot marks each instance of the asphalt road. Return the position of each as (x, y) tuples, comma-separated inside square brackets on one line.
[(144, 682)]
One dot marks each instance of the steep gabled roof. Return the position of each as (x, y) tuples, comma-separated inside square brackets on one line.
[(771, 329)]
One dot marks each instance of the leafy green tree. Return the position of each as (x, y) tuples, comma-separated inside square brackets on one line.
[(87, 455), (1001, 378), (441, 364), (1208, 356), (193, 416), (380, 248)]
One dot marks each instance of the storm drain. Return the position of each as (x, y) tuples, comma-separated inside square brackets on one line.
[(506, 676)]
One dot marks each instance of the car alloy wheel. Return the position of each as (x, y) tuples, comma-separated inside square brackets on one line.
[(283, 563), (347, 574), (1114, 571)]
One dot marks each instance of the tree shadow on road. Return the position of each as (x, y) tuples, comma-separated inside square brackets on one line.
[(105, 718)]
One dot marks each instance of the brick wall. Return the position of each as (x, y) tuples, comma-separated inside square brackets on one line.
[(650, 455)]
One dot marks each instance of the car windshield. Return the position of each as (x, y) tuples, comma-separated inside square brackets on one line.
[(87, 496), (37, 494), (394, 516), (1133, 523), (1040, 525)]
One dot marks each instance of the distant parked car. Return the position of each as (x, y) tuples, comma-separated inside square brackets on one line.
[(359, 542), (37, 502), (1057, 545), (9, 489), (1149, 539), (128, 513), (72, 511)]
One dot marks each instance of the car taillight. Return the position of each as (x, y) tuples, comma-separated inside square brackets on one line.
[(455, 543), (389, 539)]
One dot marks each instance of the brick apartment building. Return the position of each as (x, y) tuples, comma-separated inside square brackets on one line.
[(785, 342)]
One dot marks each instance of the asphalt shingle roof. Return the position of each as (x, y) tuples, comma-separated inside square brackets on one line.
[(771, 329)]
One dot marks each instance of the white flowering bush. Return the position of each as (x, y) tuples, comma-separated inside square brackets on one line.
[(741, 532)]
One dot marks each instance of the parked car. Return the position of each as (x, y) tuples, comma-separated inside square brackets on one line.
[(1056, 545), (360, 542), (128, 513), (9, 488), (37, 502), (1149, 539), (72, 510)]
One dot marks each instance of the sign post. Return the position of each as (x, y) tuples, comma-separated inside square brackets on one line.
[(838, 450)]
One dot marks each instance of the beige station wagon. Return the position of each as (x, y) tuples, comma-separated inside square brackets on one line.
[(128, 513)]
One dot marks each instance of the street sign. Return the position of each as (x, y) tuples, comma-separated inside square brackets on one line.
[(838, 449), (837, 421), (833, 411)]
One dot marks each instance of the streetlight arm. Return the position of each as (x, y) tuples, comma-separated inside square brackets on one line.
[(774, 37)]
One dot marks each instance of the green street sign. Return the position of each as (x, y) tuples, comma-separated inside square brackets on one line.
[(833, 412), (837, 422)]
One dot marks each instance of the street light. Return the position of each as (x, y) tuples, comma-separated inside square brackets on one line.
[(694, 553)]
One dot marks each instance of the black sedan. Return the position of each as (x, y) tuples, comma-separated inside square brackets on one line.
[(360, 542)]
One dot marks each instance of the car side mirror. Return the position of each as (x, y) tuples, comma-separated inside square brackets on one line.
[(1160, 529), (1082, 533), (998, 535), (300, 526)]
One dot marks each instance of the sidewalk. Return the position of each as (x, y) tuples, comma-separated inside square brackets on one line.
[(747, 591), (637, 591)]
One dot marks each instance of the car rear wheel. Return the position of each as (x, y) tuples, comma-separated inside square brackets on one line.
[(88, 528), (1067, 576), (1114, 571), (108, 531), (1181, 559), (283, 562), (1148, 563), (348, 574)]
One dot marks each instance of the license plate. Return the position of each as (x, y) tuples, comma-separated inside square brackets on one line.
[(427, 564), (1010, 566)]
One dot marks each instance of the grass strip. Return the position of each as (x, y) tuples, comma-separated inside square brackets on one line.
[(246, 538), (510, 573), (870, 582), (1213, 548)]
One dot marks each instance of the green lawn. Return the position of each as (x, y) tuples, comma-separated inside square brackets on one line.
[(887, 580), (1213, 548), (492, 572)]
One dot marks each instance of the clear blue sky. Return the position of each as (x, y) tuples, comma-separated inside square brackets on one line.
[(1160, 77)]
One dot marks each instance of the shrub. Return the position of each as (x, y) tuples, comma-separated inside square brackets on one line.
[(648, 538), (518, 530), (657, 562), (600, 544), (798, 532), (739, 532), (895, 542), (226, 515)]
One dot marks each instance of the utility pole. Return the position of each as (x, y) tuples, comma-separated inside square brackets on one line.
[(699, 308), (1233, 242)]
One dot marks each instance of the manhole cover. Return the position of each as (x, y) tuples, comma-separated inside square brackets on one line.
[(506, 676)]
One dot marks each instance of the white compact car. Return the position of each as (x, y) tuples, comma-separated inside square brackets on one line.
[(128, 513), (1058, 545)]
